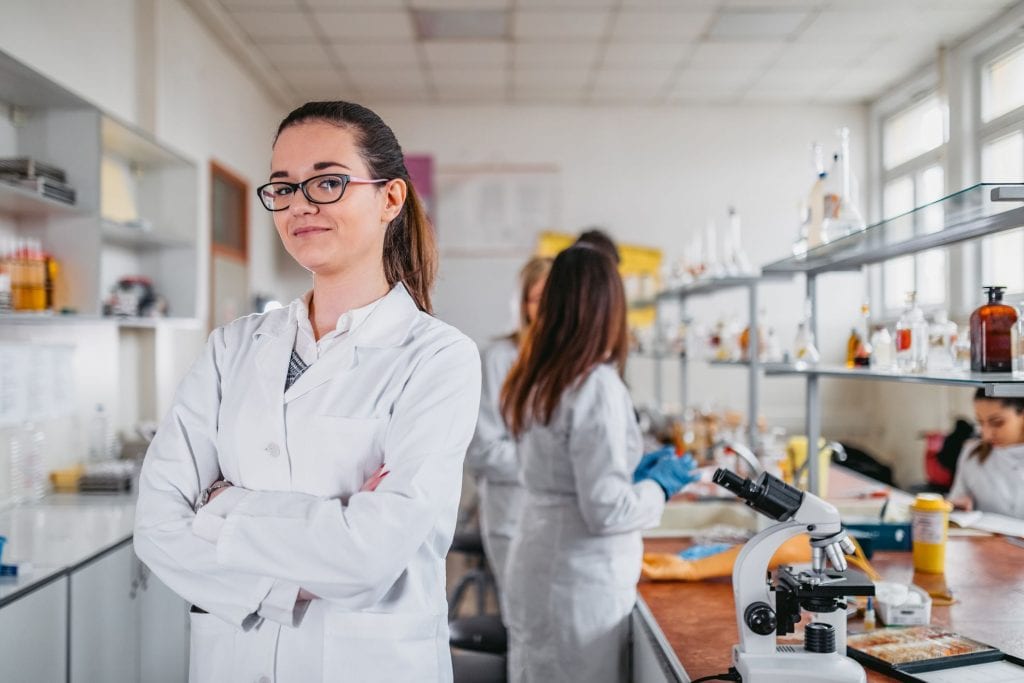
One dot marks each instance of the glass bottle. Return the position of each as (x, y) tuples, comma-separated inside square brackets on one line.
[(99, 443), (911, 338), (816, 201), (991, 334), (852, 342), (842, 216), (862, 355), (804, 348), (941, 338)]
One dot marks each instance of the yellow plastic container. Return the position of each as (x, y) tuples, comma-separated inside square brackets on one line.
[(930, 522), (795, 470)]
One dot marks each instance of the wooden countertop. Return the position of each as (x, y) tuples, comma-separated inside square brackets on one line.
[(984, 573)]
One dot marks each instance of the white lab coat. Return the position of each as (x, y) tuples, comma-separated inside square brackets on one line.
[(575, 559), (492, 459), (995, 485), (402, 389)]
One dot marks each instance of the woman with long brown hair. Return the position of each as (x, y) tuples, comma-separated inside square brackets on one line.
[(263, 499), (990, 470), (575, 559), (492, 454)]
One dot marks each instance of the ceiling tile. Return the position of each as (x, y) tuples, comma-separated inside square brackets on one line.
[(550, 78), (461, 4), (355, 4), (560, 24), (565, 4), (554, 54), (848, 25), (327, 92), (468, 54), (392, 79), (468, 78), (900, 57), (757, 24), (798, 80), (279, 25), (775, 4), (805, 53), (622, 55), (641, 78), (633, 93), (291, 54), (766, 95), (671, 4), (530, 94), (233, 5), (665, 25), (308, 77), (471, 94), (381, 55), (714, 80), (364, 26), (728, 54)]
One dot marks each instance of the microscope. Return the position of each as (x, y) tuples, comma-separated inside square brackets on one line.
[(767, 609)]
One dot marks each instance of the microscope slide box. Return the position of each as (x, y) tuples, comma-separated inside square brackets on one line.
[(915, 614)]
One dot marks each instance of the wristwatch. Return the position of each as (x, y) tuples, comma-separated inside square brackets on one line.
[(204, 497)]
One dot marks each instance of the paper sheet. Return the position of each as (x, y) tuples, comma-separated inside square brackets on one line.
[(989, 521), (990, 672)]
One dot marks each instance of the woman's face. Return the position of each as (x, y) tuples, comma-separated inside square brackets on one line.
[(1000, 425), (348, 235), (533, 299)]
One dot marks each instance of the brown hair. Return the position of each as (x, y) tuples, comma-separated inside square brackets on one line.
[(532, 272), (410, 250), (984, 448), (581, 322), (600, 240)]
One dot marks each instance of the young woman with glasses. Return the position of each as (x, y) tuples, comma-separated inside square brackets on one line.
[(575, 558), (302, 493)]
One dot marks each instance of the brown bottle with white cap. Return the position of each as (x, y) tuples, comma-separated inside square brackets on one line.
[(992, 334)]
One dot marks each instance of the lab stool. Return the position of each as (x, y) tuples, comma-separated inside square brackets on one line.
[(477, 667), (471, 544)]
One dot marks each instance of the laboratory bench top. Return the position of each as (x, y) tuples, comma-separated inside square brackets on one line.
[(60, 533), (983, 573)]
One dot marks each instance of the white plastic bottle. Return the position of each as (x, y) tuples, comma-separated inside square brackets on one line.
[(99, 439), (881, 349), (941, 337), (34, 462)]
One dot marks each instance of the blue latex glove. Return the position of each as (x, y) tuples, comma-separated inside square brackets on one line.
[(648, 461), (672, 474), (699, 552)]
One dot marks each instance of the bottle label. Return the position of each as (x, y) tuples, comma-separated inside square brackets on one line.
[(903, 340), (928, 527)]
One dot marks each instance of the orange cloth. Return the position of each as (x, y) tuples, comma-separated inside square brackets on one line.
[(671, 567)]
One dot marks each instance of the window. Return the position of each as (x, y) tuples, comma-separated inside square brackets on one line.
[(913, 140), (1001, 155)]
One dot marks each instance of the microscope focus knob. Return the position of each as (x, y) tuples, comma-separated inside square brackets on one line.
[(760, 618)]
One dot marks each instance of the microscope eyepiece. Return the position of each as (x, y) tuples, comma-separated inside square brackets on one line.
[(768, 495), (730, 480)]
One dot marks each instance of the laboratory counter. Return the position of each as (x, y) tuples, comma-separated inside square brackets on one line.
[(690, 628), (60, 533)]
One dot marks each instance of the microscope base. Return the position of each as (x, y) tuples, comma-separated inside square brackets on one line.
[(793, 665)]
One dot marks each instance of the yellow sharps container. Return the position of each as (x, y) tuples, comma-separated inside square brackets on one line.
[(930, 520)]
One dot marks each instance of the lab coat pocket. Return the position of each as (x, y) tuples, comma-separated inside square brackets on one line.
[(333, 456), (372, 647), (211, 648)]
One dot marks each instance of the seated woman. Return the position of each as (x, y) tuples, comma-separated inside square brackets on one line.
[(990, 473)]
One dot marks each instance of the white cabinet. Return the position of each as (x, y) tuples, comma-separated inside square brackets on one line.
[(163, 631), (104, 619), (33, 635)]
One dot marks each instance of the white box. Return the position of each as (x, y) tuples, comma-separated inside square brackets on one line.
[(908, 613)]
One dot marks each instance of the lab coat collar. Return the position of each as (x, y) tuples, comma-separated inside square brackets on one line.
[(389, 325)]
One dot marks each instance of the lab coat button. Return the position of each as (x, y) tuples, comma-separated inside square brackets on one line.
[(273, 450)]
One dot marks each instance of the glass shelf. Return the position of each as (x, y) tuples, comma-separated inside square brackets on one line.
[(717, 284), (996, 384), (977, 211)]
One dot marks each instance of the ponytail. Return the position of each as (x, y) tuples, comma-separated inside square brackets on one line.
[(410, 250)]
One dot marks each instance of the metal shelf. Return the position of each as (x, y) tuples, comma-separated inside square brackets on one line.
[(974, 212), (20, 201), (137, 238), (717, 284), (996, 384)]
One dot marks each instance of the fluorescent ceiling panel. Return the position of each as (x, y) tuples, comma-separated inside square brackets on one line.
[(744, 24), (462, 24)]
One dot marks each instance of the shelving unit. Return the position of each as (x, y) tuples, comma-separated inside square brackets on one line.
[(972, 213), (705, 288)]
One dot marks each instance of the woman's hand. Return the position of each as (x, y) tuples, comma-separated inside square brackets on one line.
[(217, 491), (965, 503), (375, 479)]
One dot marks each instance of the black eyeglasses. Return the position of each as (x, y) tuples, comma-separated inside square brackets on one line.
[(320, 189)]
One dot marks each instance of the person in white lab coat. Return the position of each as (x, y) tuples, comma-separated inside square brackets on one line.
[(492, 452), (575, 558), (990, 471), (257, 501)]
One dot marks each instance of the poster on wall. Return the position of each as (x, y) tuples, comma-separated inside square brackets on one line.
[(496, 207)]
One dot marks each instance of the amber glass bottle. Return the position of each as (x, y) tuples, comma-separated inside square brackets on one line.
[(991, 334)]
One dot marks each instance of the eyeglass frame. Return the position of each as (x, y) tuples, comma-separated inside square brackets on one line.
[(347, 180)]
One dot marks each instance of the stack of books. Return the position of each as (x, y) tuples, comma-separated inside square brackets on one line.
[(44, 179)]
